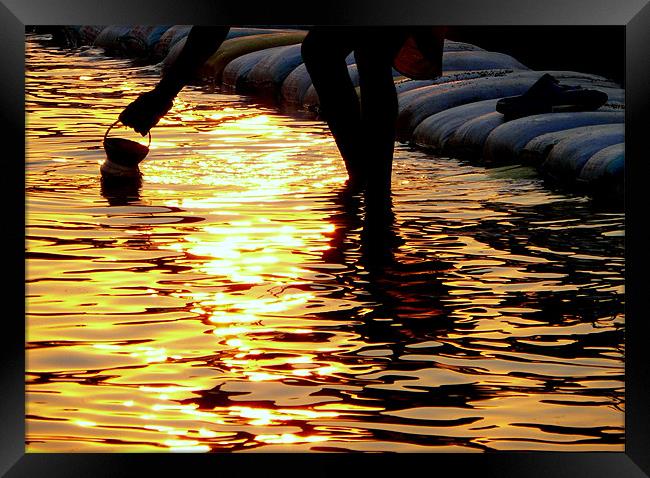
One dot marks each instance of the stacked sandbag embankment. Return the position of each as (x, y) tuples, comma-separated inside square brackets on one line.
[(453, 115)]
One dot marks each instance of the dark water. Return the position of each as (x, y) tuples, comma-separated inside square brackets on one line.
[(237, 300)]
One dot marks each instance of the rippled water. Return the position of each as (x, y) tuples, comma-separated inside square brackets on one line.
[(238, 301)]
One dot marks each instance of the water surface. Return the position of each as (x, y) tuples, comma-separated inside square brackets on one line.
[(237, 301)]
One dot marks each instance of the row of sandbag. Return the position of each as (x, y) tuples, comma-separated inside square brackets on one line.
[(452, 115), (584, 150), (152, 43)]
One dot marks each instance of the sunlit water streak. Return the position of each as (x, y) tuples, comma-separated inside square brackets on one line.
[(232, 302)]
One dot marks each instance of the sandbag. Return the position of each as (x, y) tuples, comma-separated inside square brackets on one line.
[(418, 104), (505, 143), (568, 157), (310, 100), (566, 77), (479, 60), (169, 39), (236, 47), (74, 36), (408, 85), (239, 32), (140, 40), (537, 149), (88, 34), (233, 33), (451, 45), (295, 86), (467, 141), (172, 56), (134, 41), (605, 170), (235, 73), (266, 77), (448, 77), (109, 37), (434, 131)]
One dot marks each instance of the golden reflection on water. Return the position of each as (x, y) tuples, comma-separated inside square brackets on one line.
[(231, 301)]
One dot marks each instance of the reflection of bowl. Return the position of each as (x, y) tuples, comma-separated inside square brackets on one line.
[(120, 190), (119, 172), (124, 151)]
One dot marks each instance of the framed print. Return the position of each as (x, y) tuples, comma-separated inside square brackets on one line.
[(357, 238)]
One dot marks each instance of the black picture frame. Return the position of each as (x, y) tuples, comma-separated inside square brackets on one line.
[(633, 15)]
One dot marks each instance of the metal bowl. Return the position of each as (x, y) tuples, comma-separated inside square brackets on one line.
[(124, 152)]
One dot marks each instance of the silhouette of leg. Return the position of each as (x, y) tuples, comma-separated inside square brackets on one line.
[(324, 51), (374, 58)]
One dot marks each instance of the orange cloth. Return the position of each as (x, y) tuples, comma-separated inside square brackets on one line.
[(420, 57)]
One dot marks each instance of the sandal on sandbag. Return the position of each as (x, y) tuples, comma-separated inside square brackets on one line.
[(548, 96)]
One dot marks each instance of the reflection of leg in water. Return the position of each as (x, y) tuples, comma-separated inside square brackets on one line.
[(367, 239), (346, 219), (324, 52), (403, 284), (379, 238)]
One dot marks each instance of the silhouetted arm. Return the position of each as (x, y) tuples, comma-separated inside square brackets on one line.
[(200, 45), (148, 108)]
